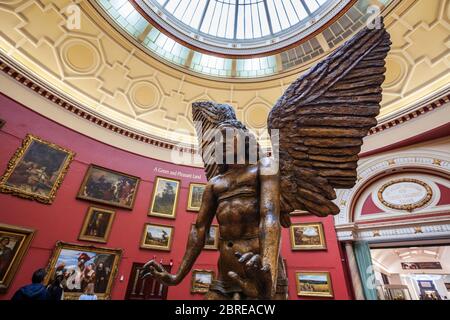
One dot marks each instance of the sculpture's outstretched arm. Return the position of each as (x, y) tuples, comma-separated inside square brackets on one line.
[(195, 244)]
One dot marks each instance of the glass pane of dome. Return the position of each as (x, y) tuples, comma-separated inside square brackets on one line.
[(240, 19)]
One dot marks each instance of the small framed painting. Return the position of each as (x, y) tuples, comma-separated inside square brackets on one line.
[(157, 237), (36, 170), (201, 280), (84, 268), (97, 225), (307, 236), (314, 284), (165, 197), (14, 244), (195, 196), (109, 187)]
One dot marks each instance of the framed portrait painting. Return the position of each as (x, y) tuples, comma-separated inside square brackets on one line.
[(83, 268), (195, 196), (14, 243), (109, 187), (36, 170), (165, 197), (201, 280), (314, 284), (97, 225), (307, 236), (157, 237)]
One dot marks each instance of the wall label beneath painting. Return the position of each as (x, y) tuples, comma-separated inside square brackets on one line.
[(178, 173)]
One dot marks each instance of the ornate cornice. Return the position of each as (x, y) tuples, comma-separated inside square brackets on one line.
[(58, 100)]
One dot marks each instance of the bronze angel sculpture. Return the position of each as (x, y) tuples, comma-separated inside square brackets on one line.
[(321, 120)]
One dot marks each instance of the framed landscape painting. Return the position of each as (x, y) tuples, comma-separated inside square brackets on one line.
[(165, 197), (84, 268), (157, 237), (109, 187), (314, 284), (97, 225), (195, 196), (14, 244), (201, 280), (36, 170), (307, 236)]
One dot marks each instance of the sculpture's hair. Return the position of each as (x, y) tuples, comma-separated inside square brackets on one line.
[(208, 116)]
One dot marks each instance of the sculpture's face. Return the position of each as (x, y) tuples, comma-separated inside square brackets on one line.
[(234, 145)]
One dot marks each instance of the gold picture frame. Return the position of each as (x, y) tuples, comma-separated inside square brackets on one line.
[(95, 230), (195, 196), (313, 283), (14, 244), (29, 177), (214, 244), (67, 255), (160, 239), (88, 189), (308, 236), (197, 283), (164, 199)]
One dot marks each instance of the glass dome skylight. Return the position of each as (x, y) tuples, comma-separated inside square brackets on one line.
[(240, 27), (132, 19)]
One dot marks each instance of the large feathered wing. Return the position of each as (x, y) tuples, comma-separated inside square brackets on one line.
[(322, 119)]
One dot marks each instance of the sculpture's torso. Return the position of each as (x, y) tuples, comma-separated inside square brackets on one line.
[(237, 194)]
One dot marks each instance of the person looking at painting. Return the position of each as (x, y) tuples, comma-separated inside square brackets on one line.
[(89, 293), (6, 255), (34, 291)]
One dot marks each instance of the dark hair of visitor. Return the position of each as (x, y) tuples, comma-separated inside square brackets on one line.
[(38, 276)]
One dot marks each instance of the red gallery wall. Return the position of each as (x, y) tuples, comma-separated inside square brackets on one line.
[(62, 220)]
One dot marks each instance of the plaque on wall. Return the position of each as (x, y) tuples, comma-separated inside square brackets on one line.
[(405, 194)]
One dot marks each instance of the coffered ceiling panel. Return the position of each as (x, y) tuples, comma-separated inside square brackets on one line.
[(109, 76)]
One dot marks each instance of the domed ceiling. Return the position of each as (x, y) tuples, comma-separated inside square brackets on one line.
[(121, 72)]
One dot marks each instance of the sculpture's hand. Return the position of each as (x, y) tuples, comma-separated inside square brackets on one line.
[(258, 281), (156, 270)]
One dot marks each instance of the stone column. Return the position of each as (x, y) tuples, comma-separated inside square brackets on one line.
[(353, 267)]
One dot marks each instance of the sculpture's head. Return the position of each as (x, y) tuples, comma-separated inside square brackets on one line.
[(222, 138)]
